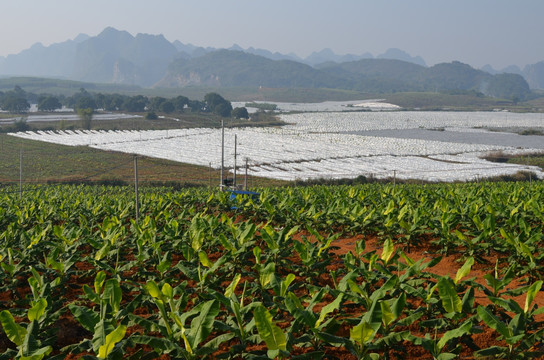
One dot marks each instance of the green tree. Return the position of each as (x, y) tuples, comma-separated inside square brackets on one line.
[(18, 91), (180, 102), (14, 103), (155, 103), (196, 105), (72, 101), (151, 116), (135, 103), (223, 110), (86, 102), (20, 125), (48, 103), (100, 100), (240, 113), (217, 104), (86, 116), (114, 102), (167, 107)]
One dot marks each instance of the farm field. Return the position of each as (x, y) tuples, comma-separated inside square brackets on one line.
[(44, 163), (427, 146), (434, 271)]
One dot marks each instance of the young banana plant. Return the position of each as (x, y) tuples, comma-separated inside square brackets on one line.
[(270, 333), (29, 347), (173, 324), (316, 328), (520, 332), (107, 331)]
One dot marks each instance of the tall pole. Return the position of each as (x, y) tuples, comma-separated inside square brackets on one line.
[(136, 187), (21, 173), (210, 176), (222, 152), (245, 179), (235, 144)]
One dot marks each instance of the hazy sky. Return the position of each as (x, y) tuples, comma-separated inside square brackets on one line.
[(477, 32)]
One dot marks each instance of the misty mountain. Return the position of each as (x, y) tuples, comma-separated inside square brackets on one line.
[(118, 57), (397, 54), (115, 56), (267, 54), (328, 56), (229, 68), (386, 75), (56, 60), (112, 57), (512, 69), (535, 75)]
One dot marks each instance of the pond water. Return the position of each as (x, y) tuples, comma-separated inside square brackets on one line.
[(464, 137)]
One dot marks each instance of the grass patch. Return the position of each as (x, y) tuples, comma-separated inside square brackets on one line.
[(52, 163), (532, 132), (442, 101), (529, 159)]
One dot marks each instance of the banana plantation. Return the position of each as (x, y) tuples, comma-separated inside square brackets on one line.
[(193, 274)]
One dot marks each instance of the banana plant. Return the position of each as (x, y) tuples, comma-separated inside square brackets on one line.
[(270, 333), (239, 309), (276, 240), (29, 347), (454, 308), (206, 268), (317, 329), (173, 325), (520, 332), (497, 285), (104, 324), (10, 267), (523, 246), (313, 253), (442, 347), (362, 335), (265, 270)]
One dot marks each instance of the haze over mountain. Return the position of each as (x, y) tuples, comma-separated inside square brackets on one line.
[(115, 56)]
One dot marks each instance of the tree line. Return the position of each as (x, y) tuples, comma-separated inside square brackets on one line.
[(18, 101)]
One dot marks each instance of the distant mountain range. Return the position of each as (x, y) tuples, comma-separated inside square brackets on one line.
[(534, 73), (115, 56)]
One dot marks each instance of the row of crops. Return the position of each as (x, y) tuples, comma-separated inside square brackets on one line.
[(203, 276)]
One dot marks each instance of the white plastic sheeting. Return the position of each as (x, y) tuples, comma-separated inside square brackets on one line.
[(314, 146)]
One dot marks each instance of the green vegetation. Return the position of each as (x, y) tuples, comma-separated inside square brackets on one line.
[(262, 106), (431, 101), (67, 93), (531, 159), (193, 279), (218, 105), (85, 104)]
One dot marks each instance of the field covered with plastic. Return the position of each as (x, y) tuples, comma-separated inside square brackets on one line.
[(334, 145)]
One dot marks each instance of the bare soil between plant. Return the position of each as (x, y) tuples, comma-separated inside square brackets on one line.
[(70, 332)]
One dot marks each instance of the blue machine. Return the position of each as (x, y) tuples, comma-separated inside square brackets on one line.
[(241, 194)]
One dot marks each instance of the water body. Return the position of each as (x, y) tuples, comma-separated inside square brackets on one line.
[(481, 137), (326, 106)]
